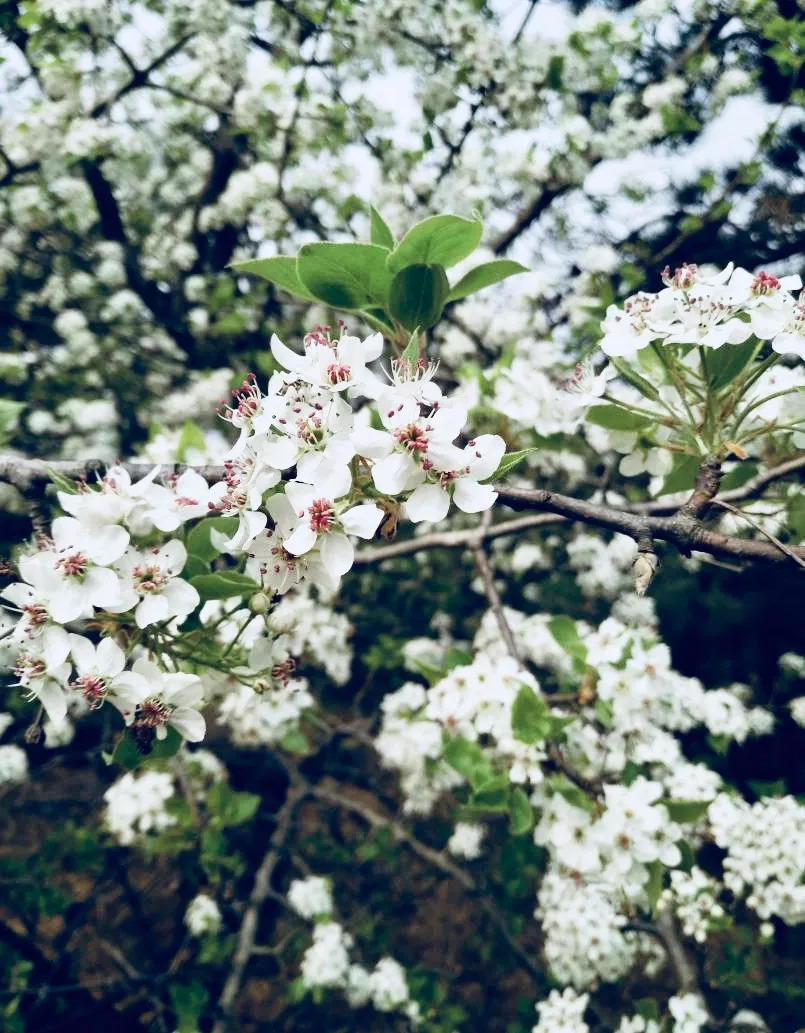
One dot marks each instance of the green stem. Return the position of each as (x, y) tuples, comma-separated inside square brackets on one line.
[(756, 404), (655, 417), (680, 388)]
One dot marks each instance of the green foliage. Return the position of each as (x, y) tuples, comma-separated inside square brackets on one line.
[(199, 542), (484, 276), (129, 756), (509, 461), (417, 295), (438, 240), (224, 584), (469, 760), (346, 276), (613, 417)]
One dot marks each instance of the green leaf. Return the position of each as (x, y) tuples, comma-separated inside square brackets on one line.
[(684, 811), (725, 364), (738, 475), (346, 276), (188, 1001), (192, 436), (469, 760), (493, 795), (198, 538), (531, 719), (456, 658), (603, 711), (194, 566), (566, 633), (417, 295), (613, 417), (229, 807), (440, 239), (411, 353), (626, 371), (484, 276), (128, 756), (509, 461), (654, 884), (521, 814), (574, 794), (682, 475), (62, 483), (280, 270), (380, 234), (224, 585)]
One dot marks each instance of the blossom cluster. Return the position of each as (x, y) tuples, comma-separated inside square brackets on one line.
[(348, 476), (710, 310), (327, 964)]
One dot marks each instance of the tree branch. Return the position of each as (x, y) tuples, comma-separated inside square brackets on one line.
[(260, 893)]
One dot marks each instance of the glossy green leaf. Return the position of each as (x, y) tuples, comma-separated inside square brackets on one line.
[(469, 760), (682, 475), (280, 270), (521, 813), (198, 537), (726, 363), (564, 630), (441, 239), (224, 585), (627, 372), (684, 811), (484, 276), (531, 719), (613, 417), (493, 795), (380, 233), (509, 461), (417, 295), (346, 276), (654, 884)]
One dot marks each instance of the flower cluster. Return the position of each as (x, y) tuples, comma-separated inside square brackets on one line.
[(326, 962), (710, 310)]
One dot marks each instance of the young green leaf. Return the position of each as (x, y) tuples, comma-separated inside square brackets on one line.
[(725, 364), (613, 417), (380, 234), (654, 884), (564, 630), (192, 436), (224, 584), (627, 372), (417, 295), (531, 718), (484, 276), (411, 353), (521, 813), (509, 461), (198, 537), (128, 755), (492, 795), (469, 760), (684, 811), (280, 270), (682, 475), (441, 240), (346, 276)]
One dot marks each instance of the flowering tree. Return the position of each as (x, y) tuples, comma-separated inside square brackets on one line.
[(454, 774)]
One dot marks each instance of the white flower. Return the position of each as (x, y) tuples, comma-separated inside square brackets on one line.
[(388, 985), (150, 585), (13, 765), (466, 840), (72, 577), (311, 897), (100, 675), (172, 700), (203, 916), (790, 339), (332, 364)]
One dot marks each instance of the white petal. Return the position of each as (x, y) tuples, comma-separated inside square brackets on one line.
[(172, 556), (302, 540), (83, 653), (182, 597), (189, 724), (391, 475), (52, 697), (152, 609), (428, 502), (285, 357), (106, 544), (362, 520), (472, 497), (371, 443), (55, 646), (484, 456), (337, 554), (279, 452)]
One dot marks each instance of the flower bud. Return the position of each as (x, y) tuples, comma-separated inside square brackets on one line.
[(644, 567), (259, 603)]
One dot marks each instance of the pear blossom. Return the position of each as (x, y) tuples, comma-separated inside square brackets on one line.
[(335, 364), (322, 522), (100, 675), (72, 577), (790, 337), (173, 699), (150, 584), (35, 623), (45, 678)]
